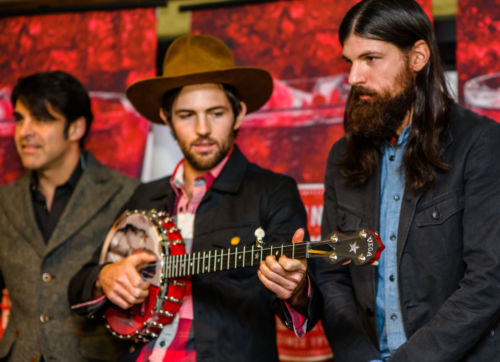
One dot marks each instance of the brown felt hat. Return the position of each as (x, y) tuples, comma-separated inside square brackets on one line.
[(197, 59)]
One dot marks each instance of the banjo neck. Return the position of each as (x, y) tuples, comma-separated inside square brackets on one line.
[(209, 261), (361, 247)]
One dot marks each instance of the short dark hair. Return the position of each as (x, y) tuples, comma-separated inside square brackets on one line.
[(403, 23), (61, 90), (231, 94)]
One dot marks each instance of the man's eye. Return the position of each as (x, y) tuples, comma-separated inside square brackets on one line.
[(185, 115), (218, 113)]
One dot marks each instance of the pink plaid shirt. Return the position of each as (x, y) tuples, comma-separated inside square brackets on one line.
[(177, 344)]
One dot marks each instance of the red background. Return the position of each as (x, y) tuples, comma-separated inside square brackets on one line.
[(106, 50), (478, 48)]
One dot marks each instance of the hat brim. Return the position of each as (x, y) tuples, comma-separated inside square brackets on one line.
[(254, 85)]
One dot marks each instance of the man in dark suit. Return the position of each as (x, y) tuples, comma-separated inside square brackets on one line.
[(52, 220), (424, 173), (218, 199)]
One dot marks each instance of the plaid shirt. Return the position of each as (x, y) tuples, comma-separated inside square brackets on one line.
[(176, 341)]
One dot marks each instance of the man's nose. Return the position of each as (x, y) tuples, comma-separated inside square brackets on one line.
[(203, 126), (356, 75)]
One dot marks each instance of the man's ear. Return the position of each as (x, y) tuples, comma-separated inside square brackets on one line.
[(419, 55), (77, 128), (240, 116), (163, 117)]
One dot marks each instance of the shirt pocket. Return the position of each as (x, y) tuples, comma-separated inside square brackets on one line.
[(439, 210)]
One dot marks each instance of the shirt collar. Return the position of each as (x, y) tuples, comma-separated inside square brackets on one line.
[(403, 137)]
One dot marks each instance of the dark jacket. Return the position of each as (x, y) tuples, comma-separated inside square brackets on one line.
[(448, 256), (37, 274), (233, 315)]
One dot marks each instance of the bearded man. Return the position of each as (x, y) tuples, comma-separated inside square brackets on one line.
[(424, 173)]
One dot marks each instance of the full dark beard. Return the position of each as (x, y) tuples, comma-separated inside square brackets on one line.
[(381, 116)]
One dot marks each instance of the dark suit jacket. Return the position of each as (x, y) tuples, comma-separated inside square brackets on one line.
[(233, 315), (37, 274), (448, 256)]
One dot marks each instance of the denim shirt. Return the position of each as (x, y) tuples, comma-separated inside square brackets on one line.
[(392, 184)]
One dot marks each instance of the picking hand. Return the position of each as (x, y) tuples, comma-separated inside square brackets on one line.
[(121, 282)]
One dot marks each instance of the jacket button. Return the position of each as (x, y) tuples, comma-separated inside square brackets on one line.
[(46, 277), (44, 318), (436, 215)]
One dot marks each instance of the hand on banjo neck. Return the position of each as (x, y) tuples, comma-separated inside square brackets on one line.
[(286, 277)]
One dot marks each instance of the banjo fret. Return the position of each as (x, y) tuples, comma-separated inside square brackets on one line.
[(202, 262)]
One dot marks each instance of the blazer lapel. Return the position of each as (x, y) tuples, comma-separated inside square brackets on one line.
[(93, 191), (19, 210)]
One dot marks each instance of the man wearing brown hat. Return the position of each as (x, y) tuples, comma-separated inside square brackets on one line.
[(218, 200)]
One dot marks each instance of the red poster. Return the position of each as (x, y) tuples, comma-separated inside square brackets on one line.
[(106, 50), (478, 55)]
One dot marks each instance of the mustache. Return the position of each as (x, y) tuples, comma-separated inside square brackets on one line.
[(358, 91), (203, 139)]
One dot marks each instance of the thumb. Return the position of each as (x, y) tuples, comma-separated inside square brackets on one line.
[(298, 237), (141, 258)]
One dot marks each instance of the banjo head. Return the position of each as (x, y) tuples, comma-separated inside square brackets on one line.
[(154, 232)]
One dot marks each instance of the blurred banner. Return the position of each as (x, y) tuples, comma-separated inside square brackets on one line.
[(106, 50), (478, 55)]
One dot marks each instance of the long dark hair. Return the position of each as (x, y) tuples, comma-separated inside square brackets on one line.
[(402, 23)]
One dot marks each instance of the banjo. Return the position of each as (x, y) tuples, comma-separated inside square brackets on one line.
[(155, 232)]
